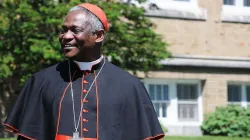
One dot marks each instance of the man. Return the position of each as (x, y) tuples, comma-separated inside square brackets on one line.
[(84, 97)]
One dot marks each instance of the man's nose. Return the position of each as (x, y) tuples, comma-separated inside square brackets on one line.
[(68, 36)]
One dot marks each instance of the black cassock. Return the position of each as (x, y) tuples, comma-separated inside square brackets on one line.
[(117, 106)]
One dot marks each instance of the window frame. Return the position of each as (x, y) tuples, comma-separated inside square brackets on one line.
[(243, 102), (237, 3), (172, 108), (180, 4), (246, 2), (235, 13), (230, 4), (175, 9), (188, 102), (156, 101)]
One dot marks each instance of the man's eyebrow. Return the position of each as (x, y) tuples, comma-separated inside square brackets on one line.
[(76, 26), (71, 26), (63, 26)]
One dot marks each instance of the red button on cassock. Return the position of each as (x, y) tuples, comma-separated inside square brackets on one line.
[(85, 82), (85, 130), (85, 101), (84, 91), (84, 111), (84, 120)]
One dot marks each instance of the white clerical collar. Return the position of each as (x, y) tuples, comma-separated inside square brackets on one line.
[(88, 65)]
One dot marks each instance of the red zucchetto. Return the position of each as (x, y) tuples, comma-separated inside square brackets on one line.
[(98, 12)]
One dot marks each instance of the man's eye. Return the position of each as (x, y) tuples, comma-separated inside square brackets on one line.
[(77, 31), (63, 30)]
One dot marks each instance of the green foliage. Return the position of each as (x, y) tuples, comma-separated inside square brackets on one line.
[(228, 121), (164, 129), (29, 36)]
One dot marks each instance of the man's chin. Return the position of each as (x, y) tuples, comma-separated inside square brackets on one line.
[(69, 56)]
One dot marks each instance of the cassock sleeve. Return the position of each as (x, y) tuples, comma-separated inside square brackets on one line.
[(22, 138), (141, 122), (28, 116)]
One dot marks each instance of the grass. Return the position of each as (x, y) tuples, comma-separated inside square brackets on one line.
[(188, 138), (204, 138)]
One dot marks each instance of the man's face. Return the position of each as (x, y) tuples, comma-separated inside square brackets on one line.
[(76, 36)]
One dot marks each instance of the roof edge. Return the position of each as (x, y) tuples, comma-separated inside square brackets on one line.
[(207, 61)]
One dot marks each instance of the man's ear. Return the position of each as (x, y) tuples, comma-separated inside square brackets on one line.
[(99, 36)]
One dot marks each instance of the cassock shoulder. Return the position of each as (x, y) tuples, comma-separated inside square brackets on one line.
[(131, 86), (25, 117), (123, 76), (142, 121), (53, 71)]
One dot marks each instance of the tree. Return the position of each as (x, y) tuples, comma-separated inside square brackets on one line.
[(29, 39)]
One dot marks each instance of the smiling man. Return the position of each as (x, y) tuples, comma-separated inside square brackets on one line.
[(84, 97)]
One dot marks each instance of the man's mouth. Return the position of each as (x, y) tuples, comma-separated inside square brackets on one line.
[(68, 47)]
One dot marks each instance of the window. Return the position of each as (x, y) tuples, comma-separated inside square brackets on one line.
[(181, 9), (183, 0), (237, 3), (229, 2), (248, 96), (238, 94), (176, 102), (160, 98), (236, 11), (247, 3), (187, 95), (234, 94)]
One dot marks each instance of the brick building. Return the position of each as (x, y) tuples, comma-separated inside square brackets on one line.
[(210, 67)]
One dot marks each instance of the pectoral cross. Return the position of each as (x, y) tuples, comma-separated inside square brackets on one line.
[(76, 136)]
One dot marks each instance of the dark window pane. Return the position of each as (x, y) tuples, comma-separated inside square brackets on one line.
[(193, 92), (187, 92), (248, 93), (180, 94), (247, 3), (229, 2), (164, 110), (165, 92), (151, 92), (158, 92), (157, 108), (234, 93)]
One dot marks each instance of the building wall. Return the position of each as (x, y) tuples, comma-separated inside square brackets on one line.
[(210, 37), (214, 82), (213, 38), (206, 38), (213, 91)]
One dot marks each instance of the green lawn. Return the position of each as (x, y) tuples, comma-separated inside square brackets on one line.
[(191, 138), (204, 138)]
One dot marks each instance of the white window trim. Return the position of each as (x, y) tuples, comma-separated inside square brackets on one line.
[(176, 9), (243, 86), (160, 111), (236, 13), (181, 5), (172, 112), (160, 102)]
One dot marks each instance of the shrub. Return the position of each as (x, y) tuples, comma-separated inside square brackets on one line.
[(164, 129), (228, 121)]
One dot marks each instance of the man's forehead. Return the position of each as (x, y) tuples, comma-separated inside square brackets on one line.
[(75, 17)]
